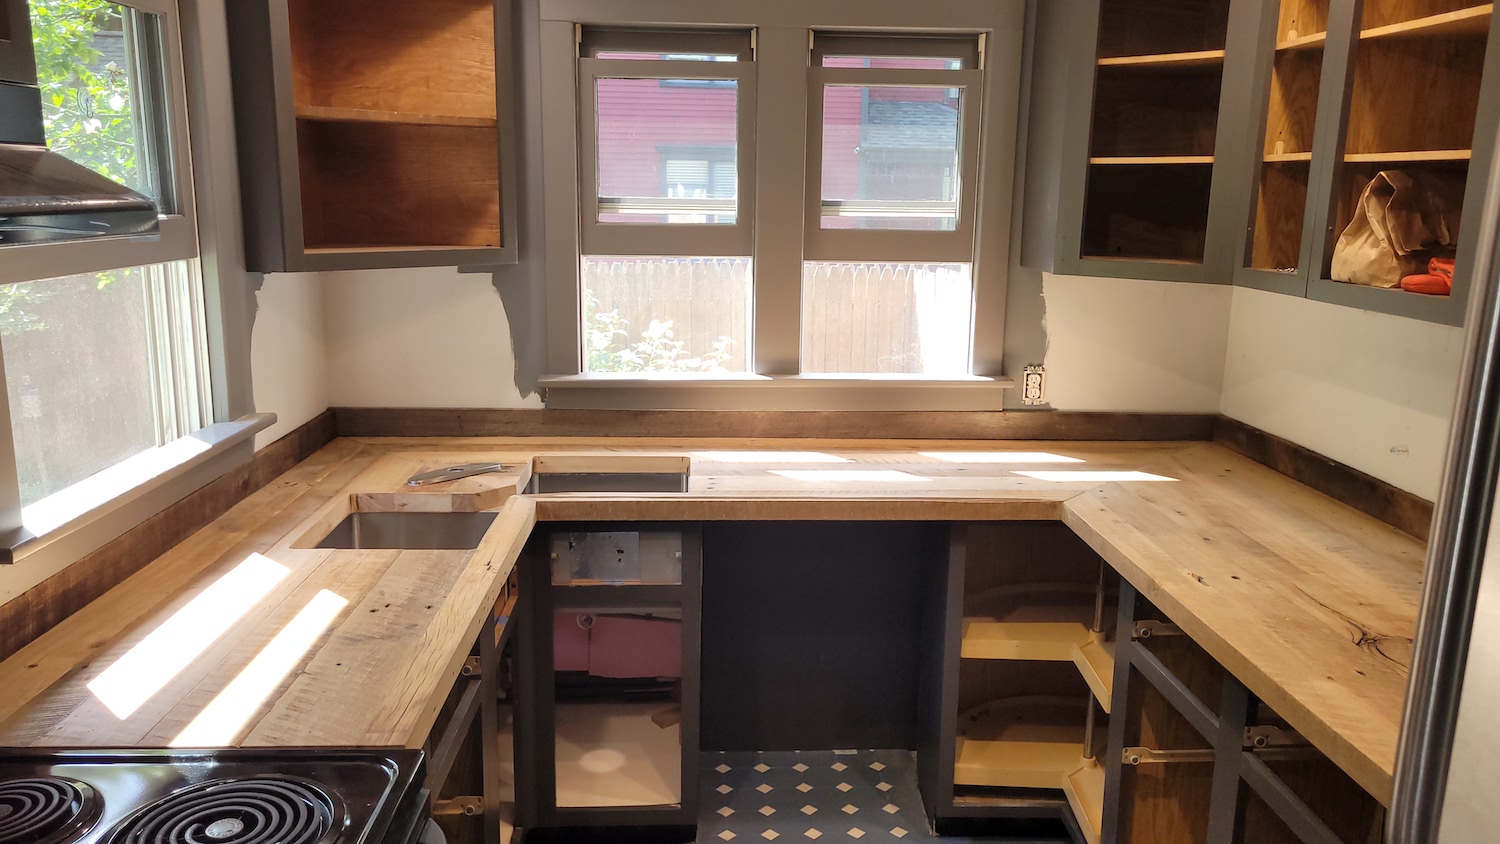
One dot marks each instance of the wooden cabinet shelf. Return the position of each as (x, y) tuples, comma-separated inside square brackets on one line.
[(1084, 789), (1303, 42), (1059, 641), (1473, 22), (1152, 159), (1195, 58), (1023, 742), (1287, 157), (330, 114), (1414, 155), (403, 138)]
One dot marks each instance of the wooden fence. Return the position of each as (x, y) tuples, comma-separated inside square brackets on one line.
[(862, 318)]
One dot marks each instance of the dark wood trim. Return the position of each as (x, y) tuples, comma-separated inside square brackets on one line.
[(39, 608), (784, 424), (1390, 504)]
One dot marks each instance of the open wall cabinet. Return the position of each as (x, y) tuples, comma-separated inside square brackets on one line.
[(1345, 90), (374, 133), (1132, 115)]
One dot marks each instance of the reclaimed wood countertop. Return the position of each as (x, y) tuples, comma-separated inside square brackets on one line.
[(242, 635)]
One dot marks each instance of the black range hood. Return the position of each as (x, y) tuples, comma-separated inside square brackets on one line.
[(44, 196)]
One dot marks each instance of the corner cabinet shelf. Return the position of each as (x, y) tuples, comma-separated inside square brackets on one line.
[(374, 133), (1020, 732), (1353, 90), (1128, 126)]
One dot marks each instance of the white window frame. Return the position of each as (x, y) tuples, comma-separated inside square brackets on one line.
[(201, 336), (786, 195), (708, 240), (177, 238)]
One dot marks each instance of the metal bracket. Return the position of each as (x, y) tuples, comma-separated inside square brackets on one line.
[(1266, 735), (467, 806), (1147, 629), (471, 667), (1147, 756)]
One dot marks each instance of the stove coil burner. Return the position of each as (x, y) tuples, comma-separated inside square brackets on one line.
[(249, 811), (45, 810)]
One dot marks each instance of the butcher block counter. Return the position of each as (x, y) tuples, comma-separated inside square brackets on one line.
[(246, 635)]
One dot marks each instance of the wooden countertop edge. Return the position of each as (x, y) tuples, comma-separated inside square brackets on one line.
[(503, 544), (1373, 776)]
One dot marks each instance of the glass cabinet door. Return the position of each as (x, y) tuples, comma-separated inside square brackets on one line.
[(1275, 241)]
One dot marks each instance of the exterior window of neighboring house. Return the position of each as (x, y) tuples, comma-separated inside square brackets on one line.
[(105, 350), (887, 262), (666, 274)]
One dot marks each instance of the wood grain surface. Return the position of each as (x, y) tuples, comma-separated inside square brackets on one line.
[(1309, 602)]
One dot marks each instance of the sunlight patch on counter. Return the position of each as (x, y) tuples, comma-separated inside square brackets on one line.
[(769, 457), (999, 457), (220, 722), (849, 475), (152, 663), (1092, 477)]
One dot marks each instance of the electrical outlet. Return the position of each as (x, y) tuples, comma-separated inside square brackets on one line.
[(1033, 384)]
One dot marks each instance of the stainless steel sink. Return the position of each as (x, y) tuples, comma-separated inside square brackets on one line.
[(409, 531), (552, 482)]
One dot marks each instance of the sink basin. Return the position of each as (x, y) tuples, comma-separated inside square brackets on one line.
[(608, 482), (608, 473), (410, 531)]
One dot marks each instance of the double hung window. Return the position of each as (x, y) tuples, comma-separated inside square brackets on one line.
[(672, 155), (104, 341)]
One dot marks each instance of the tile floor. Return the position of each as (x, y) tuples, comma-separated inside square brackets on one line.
[(828, 796)]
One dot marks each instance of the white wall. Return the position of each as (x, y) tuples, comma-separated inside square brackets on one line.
[(1128, 345), (1366, 389), (418, 338), (289, 352)]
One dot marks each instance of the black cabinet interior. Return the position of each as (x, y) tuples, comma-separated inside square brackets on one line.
[(813, 632)]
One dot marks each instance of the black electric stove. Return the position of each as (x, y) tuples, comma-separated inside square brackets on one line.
[(230, 796)]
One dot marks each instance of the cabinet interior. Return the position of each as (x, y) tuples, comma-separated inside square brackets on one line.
[(1156, 112), (1035, 670), (1413, 100), (397, 135), (1286, 155), (1163, 802)]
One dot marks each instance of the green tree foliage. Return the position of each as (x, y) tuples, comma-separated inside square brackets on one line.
[(86, 103), (86, 109), (607, 346)]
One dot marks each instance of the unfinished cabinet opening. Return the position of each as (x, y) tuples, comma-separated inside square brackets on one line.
[(1156, 112), (1147, 211), (1290, 120), (1414, 95), (1167, 776), (1036, 670), (396, 123), (1347, 810), (617, 711)]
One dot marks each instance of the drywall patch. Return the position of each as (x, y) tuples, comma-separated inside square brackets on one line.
[(1130, 345), (427, 337), (288, 351)]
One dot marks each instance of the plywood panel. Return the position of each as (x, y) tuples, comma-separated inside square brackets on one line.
[(1280, 206), (1138, 27), (386, 184), (1414, 94), (435, 57)]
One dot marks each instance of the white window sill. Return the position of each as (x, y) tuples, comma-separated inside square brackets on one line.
[(746, 391), (66, 525)]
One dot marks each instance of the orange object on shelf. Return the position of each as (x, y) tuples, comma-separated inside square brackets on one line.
[(1437, 281)]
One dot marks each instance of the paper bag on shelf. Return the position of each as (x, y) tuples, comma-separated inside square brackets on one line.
[(1402, 219)]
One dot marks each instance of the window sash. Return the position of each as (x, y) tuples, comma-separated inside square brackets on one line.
[(665, 239), (177, 239), (893, 245), (739, 43), (965, 48)]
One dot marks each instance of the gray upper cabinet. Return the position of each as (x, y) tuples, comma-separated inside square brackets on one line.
[(1132, 116), (375, 133), (1343, 91)]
